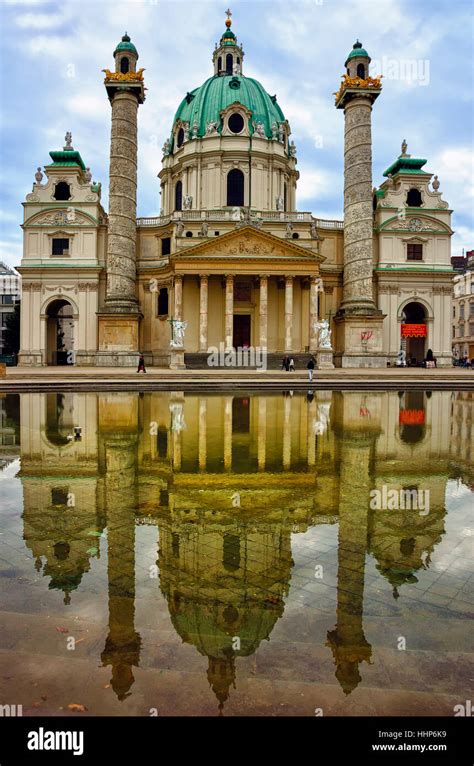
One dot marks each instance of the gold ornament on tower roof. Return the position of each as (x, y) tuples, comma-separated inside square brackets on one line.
[(137, 76), (358, 82)]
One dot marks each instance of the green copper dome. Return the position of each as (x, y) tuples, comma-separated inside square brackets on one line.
[(204, 104), (126, 45), (357, 52)]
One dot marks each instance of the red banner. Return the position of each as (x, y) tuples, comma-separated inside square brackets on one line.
[(413, 330)]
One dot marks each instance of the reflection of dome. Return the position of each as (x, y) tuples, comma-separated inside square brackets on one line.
[(204, 104)]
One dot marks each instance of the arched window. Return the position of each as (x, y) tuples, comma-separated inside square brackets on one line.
[(228, 63), (235, 188), (180, 137), (178, 196), (414, 198), (163, 302), (62, 191), (284, 197), (219, 65), (361, 71), (124, 65)]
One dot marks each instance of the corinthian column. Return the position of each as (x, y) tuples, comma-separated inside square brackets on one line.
[(203, 312), (313, 312), (263, 311), (229, 311), (288, 313)]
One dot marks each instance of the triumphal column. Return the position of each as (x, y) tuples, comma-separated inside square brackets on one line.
[(119, 317)]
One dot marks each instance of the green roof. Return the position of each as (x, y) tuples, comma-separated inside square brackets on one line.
[(406, 165), (357, 52), (126, 45), (66, 159), (218, 92)]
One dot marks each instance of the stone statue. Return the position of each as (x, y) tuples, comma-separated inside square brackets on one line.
[(259, 128), (204, 229), (88, 175), (404, 148), (280, 203), (435, 184), (401, 358), (292, 149), (177, 332), (211, 128), (187, 202), (68, 139), (166, 147), (236, 69), (281, 134), (236, 214), (194, 132), (177, 417), (38, 176), (274, 131), (186, 131), (313, 230), (179, 228), (324, 334), (289, 230)]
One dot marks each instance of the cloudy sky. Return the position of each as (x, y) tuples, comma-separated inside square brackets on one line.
[(51, 82)]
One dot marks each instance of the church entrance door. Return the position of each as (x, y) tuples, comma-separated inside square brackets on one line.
[(241, 337)]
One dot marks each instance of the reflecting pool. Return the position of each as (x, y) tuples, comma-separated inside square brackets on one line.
[(237, 554)]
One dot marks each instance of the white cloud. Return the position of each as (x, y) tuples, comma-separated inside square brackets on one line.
[(40, 20)]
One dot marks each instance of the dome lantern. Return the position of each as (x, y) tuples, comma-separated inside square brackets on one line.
[(125, 55), (228, 54)]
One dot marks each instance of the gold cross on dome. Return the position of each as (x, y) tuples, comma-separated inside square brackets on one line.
[(228, 13)]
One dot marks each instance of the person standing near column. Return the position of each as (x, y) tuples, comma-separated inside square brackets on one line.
[(310, 367)]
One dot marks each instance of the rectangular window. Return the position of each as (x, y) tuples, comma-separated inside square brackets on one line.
[(454, 312), (461, 311), (7, 300), (242, 292), (414, 252), (60, 247), (166, 246), (471, 309), (454, 331), (471, 328)]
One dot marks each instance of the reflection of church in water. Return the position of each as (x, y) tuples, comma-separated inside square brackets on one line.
[(228, 480)]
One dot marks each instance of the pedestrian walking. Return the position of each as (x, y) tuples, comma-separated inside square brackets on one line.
[(291, 365), (285, 364), (141, 364), (310, 367)]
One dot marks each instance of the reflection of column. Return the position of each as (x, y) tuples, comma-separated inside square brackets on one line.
[(122, 646), (313, 313), (203, 296), (311, 435), (228, 433), (178, 296), (288, 312), (347, 641), (202, 443), (262, 432), (287, 433), (229, 311), (263, 311)]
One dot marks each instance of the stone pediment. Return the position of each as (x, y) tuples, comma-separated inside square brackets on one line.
[(415, 224), (61, 217), (248, 243)]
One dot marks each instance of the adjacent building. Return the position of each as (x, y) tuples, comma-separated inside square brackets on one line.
[(10, 289), (463, 310)]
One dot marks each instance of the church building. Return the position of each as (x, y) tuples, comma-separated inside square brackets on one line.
[(230, 262)]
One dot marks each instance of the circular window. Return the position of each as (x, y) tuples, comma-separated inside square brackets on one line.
[(236, 123), (296, 235), (180, 137), (189, 234)]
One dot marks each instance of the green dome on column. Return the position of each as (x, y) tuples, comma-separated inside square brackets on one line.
[(126, 45), (205, 104), (357, 52)]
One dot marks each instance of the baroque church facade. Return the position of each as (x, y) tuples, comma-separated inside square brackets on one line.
[(230, 262)]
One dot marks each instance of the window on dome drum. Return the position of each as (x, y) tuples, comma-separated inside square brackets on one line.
[(235, 188), (236, 123), (166, 246), (219, 65), (60, 247), (414, 198), (414, 252), (62, 191), (163, 303), (228, 63), (361, 71), (284, 197), (180, 137), (124, 65), (178, 196)]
